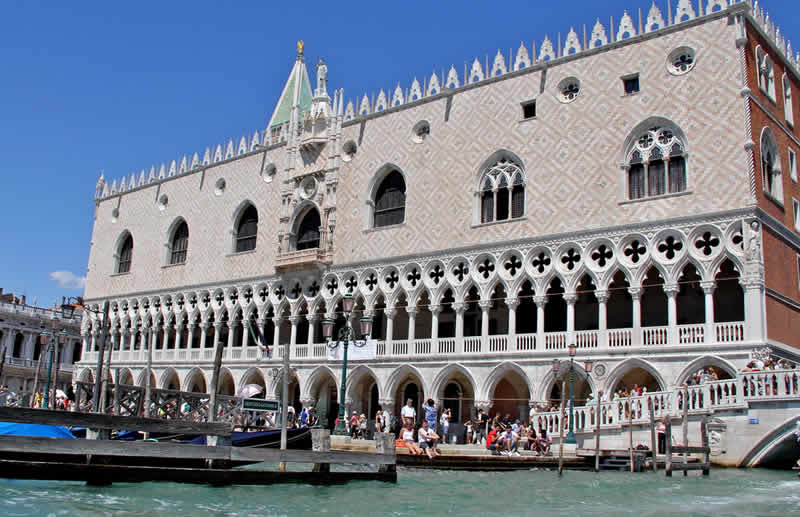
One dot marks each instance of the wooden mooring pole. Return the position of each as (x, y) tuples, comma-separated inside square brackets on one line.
[(630, 433), (597, 434), (561, 429), (685, 423), (653, 442), (668, 445)]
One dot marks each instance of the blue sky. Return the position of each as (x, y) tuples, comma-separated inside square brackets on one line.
[(91, 86)]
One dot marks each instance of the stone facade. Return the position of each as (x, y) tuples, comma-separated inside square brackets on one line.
[(467, 307), (20, 326)]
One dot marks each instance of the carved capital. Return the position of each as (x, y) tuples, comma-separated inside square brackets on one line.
[(460, 307), (540, 301), (671, 290), (635, 292), (708, 286), (412, 311), (602, 296), (570, 298), (435, 309), (312, 318), (483, 404), (294, 320), (512, 303), (386, 403), (485, 305)]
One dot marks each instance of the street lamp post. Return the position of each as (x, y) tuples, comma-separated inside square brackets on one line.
[(47, 339), (346, 336), (563, 368), (67, 311)]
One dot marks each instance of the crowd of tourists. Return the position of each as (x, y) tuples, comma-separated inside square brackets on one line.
[(59, 399)]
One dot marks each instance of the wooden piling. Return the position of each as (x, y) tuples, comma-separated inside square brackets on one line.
[(597, 435), (685, 423), (630, 433), (707, 449), (653, 441), (561, 429), (668, 445), (212, 403)]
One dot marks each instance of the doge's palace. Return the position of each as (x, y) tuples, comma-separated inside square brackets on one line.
[(627, 189)]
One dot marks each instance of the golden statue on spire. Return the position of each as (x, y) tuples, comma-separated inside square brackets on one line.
[(300, 46)]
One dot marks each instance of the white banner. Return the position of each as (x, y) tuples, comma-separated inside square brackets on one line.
[(362, 350)]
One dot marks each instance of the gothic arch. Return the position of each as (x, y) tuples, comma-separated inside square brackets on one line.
[(445, 374), (499, 155), (126, 377), (143, 378), (169, 236), (497, 374), (195, 377), (300, 212), (167, 377), (398, 375), (654, 121), (626, 366), (312, 382), (355, 378), (372, 189), (253, 375), (548, 381), (701, 362)]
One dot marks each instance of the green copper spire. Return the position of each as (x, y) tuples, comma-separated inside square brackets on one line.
[(290, 95)]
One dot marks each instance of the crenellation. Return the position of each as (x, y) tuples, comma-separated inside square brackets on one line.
[(601, 35)]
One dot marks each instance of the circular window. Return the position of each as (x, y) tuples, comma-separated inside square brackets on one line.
[(219, 187), (162, 202), (568, 89), (421, 131), (269, 172), (308, 187), (681, 60), (349, 149)]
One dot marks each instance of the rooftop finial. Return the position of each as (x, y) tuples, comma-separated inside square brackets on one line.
[(300, 47)]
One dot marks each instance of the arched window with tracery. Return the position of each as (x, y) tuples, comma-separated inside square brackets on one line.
[(125, 255), (308, 231), (766, 73), (502, 191), (179, 244), (771, 181), (656, 163), (390, 200), (247, 230)]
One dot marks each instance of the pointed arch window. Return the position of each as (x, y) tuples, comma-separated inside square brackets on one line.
[(771, 179), (656, 164), (766, 73), (308, 231), (247, 230), (390, 200), (179, 244), (125, 255), (502, 192), (788, 108)]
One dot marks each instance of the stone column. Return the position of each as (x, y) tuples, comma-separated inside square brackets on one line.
[(435, 311), (312, 324), (178, 336), (570, 298), (636, 297), (203, 333), (512, 304), (389, 313), (231, 334), (602, 318), (412, 321), (540, 302), (671, 291), (294, 320), (122, 341), (165, 340), (190, 337), (754, 311), (276, 335), (708, 290), (485, 305), (245, 334), (460, 308)]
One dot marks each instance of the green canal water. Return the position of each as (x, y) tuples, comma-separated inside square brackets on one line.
[(727, 492)]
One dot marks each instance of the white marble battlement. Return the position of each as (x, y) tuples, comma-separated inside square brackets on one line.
[(601, 35)]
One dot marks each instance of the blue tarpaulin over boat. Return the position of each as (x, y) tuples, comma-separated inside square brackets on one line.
[(46, 431)]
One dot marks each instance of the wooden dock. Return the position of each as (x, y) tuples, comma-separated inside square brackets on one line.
[(102, 461)]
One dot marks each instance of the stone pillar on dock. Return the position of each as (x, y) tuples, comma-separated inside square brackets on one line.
[(384, 444), (540, 302), (321, 443)]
